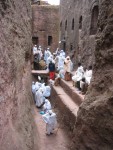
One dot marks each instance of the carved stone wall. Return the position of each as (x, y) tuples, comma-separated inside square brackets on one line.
[(94, 127), (16, 120), (78, 41)]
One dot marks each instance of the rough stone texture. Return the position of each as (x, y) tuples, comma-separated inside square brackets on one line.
[(16, 123), (94, 128), (46, 23), (83, 44)]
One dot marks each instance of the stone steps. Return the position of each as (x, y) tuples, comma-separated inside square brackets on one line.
[(67, 99), (67, 107), (72, 91)]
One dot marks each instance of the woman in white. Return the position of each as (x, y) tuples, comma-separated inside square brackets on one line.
[(46, 106), (88, 75), (78, 74), (51, 121), (35, 50), (39, 97), (67, 64), (60, 62), (47, 91)]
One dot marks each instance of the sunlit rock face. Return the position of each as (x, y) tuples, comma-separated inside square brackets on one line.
[(94, 127), (16, 131)]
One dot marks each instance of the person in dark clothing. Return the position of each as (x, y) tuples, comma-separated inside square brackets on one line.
[(51, 68)]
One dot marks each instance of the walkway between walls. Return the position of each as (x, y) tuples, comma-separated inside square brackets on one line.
[(59, 141)]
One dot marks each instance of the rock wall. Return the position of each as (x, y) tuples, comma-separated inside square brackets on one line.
[(46, 23), (79, 43), (16, 121), (94, 127)]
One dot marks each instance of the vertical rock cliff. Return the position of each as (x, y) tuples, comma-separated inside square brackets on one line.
[(16, 123), (94, 129)]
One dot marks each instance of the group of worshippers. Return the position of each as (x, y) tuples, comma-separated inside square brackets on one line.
[(55, 62), (41, 94), (62, 64), (82, 78), (37, 52), (58, 62)]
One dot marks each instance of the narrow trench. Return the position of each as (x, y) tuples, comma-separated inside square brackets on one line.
[(59, 140)]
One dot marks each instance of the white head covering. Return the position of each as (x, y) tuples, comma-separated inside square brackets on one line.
[(33, 82), (46, 100), (39, 78), (50, 112)]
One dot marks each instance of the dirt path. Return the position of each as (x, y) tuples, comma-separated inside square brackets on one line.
[(58, 141)]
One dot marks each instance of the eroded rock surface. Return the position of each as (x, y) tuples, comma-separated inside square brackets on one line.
[(16, 124), (95, 118)]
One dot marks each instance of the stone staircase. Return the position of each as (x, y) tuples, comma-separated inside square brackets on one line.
[(67, 99)]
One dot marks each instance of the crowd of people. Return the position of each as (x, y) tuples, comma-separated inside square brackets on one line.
[(54, 62), (41, 94), (61, 64), (82, 78)]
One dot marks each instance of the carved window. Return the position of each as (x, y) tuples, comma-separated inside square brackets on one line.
[(60, 25), (66, 25), (50, 40), (73, 24), (94, 20), (35, 40), (80, 23)]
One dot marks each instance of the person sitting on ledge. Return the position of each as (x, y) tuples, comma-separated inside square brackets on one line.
[(84, 83), (67, 68), (78, 76)]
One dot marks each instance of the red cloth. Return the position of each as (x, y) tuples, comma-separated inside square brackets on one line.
[(52, 75)]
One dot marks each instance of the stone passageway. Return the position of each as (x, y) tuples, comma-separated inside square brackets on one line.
[(59, 141), (65, 100)]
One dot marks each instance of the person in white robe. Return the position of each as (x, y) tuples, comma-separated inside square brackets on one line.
[(60, 62), (37, 85), (40, 48), (47, 91), (49, 59), (67, 64), (78, 74), (61, 73), (56, 61), (62, 53), (51, 122), (33, 87), (35, 50), (88, 75), (46, 106), (39, 97), (47, 54), (84, 83)]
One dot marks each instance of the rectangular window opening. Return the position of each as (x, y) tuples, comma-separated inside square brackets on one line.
[(49, 40)]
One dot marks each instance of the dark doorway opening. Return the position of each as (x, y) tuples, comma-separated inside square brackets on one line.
[(50, 40), (80, 23), (64, 46), (35, 40), (73, 24)]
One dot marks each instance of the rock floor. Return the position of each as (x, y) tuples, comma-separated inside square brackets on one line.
[(59, 141)]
